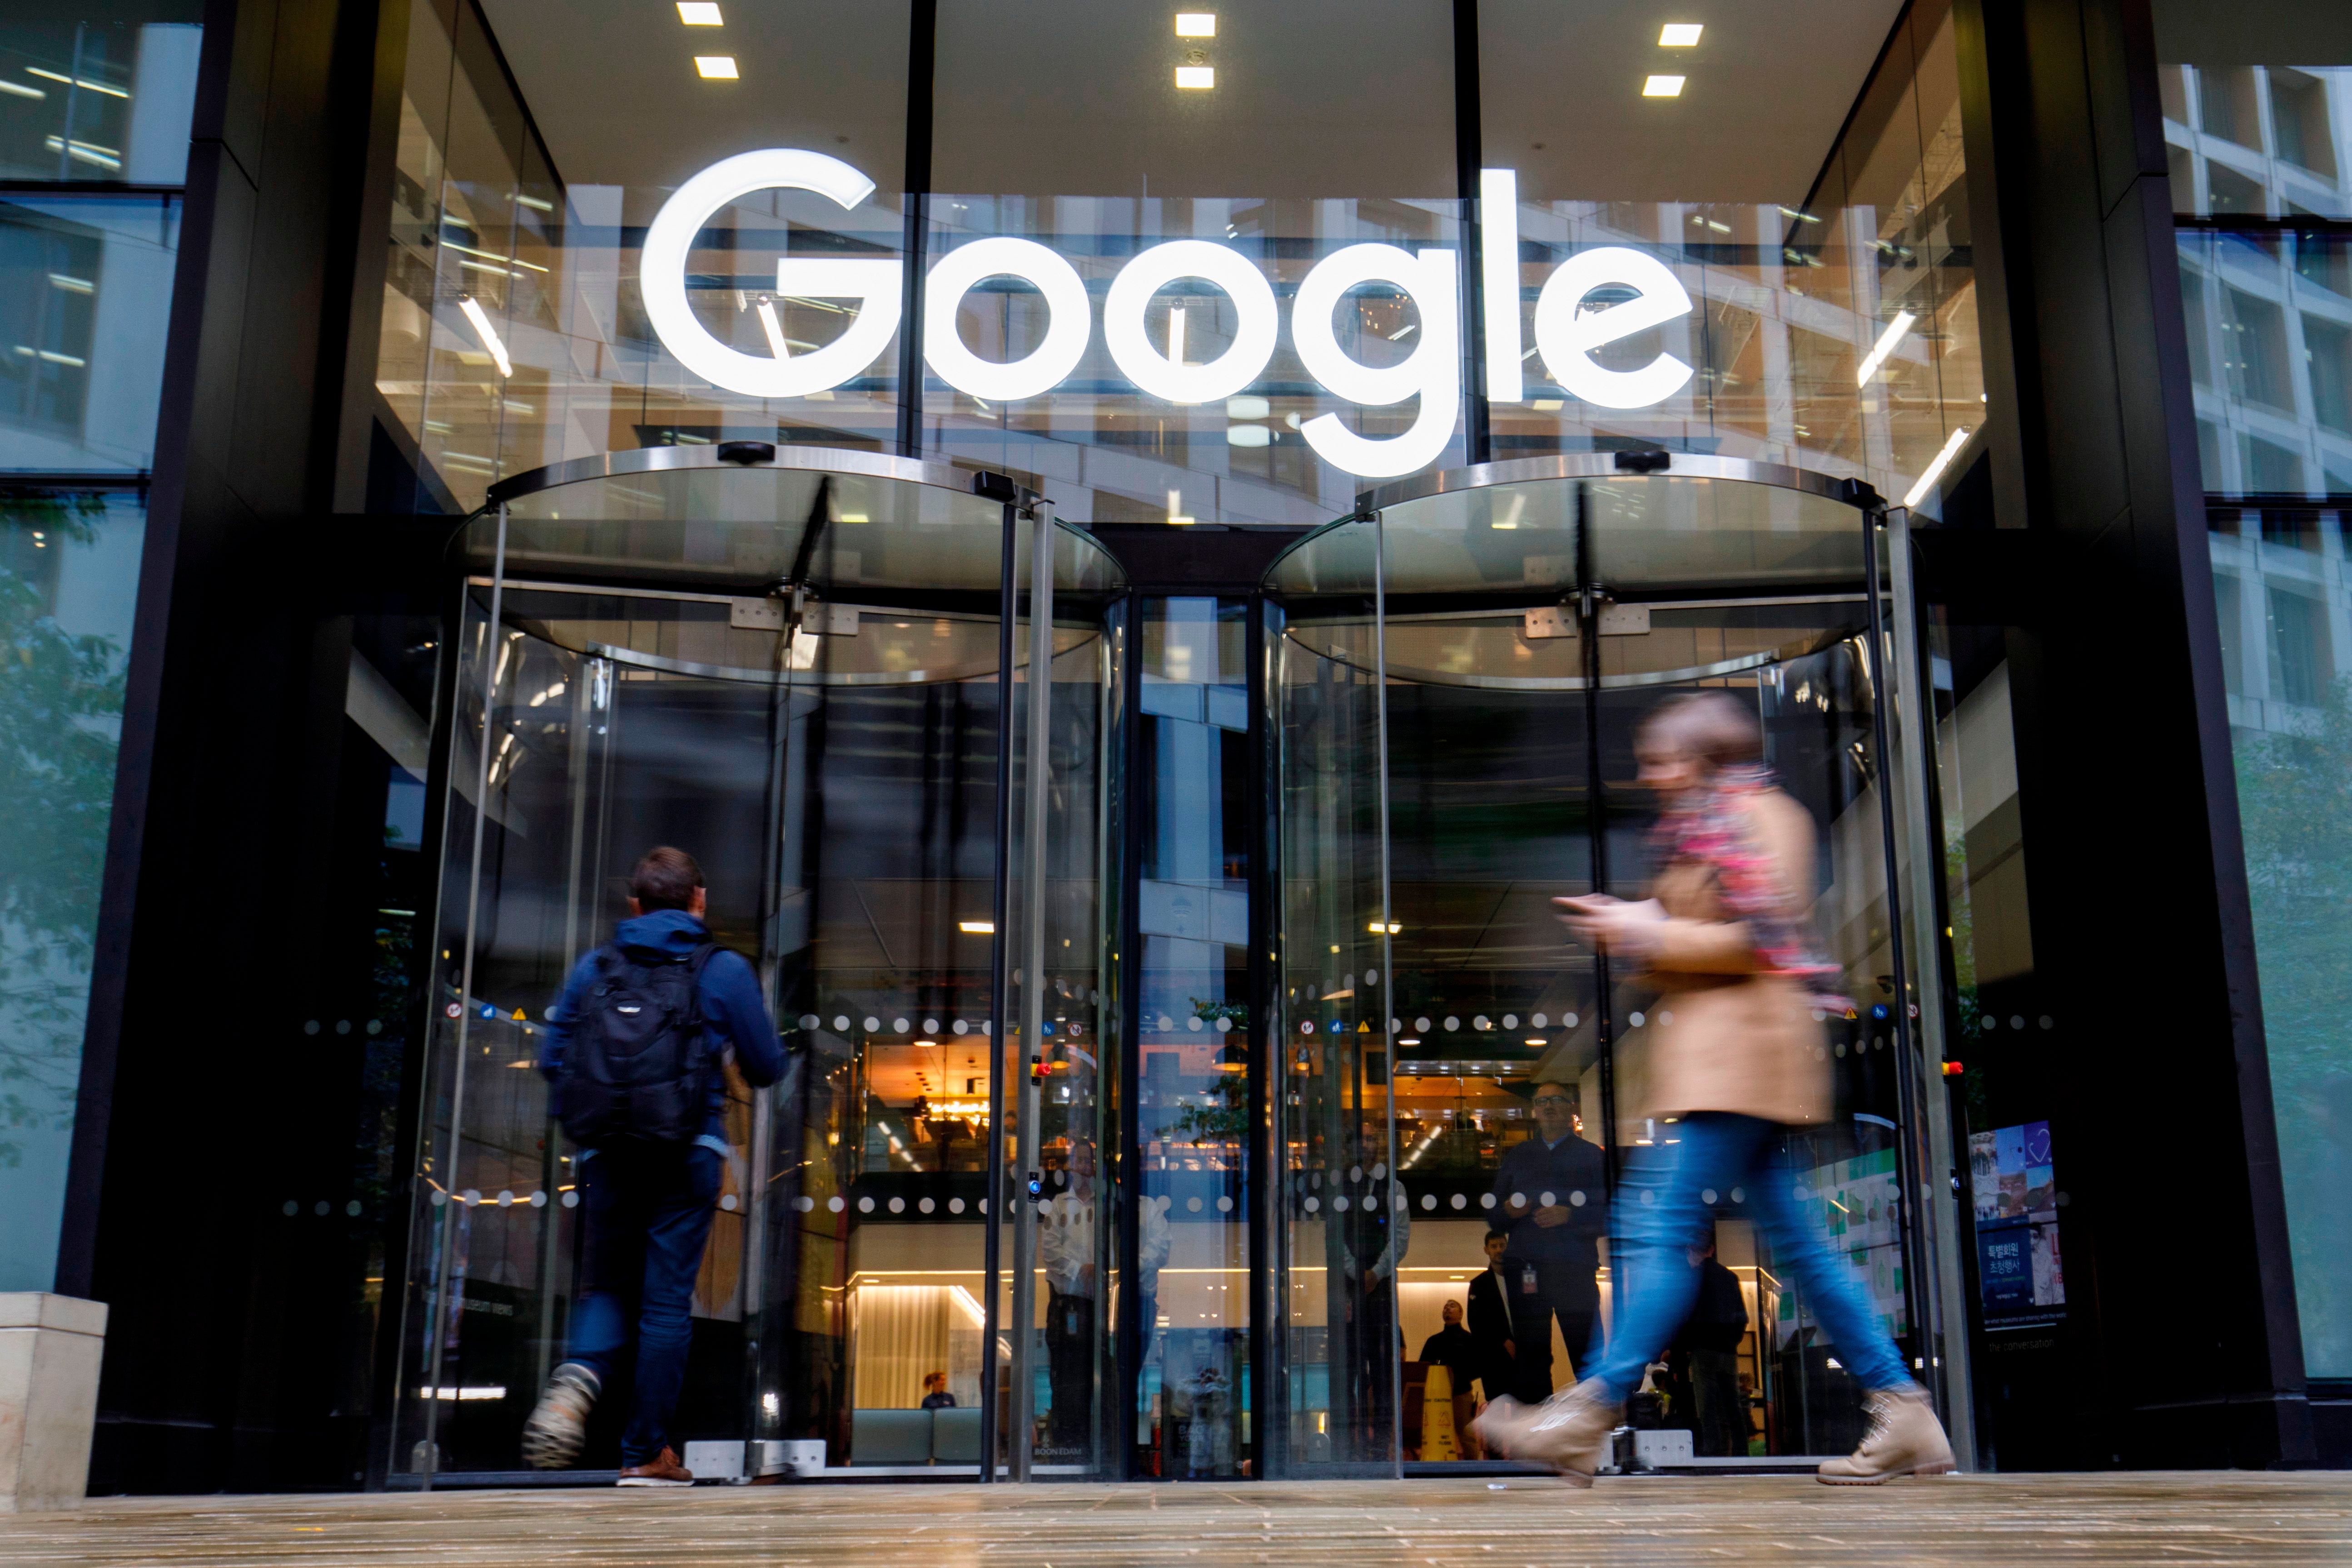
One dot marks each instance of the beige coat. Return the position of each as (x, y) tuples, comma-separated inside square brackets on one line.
[(1724, 1036)]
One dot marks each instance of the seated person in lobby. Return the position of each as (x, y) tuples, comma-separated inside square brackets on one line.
[(1551, 1194), (1451, 1347), (935, 1391)]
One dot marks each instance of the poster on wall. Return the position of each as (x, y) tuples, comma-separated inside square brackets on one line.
[(2013, 1190), (1856, 1204)]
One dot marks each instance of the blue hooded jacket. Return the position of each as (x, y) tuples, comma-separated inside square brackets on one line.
[(732, 1011)]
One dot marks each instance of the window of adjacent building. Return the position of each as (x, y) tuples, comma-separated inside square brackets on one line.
[(98, 93), (2327, 349), (2300, 666), (2300, 123), (2254, 350), (85, 296)]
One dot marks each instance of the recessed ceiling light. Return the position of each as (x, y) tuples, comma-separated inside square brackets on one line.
[(1663, 86), (700, 14), (721, 68), (1196, 24), (1196, 77), (1680, 35)]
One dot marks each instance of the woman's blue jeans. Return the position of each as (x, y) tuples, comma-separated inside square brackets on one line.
[(1663, 1210)]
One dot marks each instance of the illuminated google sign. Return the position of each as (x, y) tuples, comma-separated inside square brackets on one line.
[(1566, 333)]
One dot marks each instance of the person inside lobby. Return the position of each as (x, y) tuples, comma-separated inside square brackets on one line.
[(1551, 1203)]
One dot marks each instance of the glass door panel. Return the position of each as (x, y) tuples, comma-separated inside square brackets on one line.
[(1340, 1235)]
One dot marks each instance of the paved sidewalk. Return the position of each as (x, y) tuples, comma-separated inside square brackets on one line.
[(1983, 1521)]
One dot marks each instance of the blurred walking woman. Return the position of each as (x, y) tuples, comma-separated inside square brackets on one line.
[(1737, 1052)]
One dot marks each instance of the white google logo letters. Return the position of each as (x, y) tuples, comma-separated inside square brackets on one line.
[(1566, 333)]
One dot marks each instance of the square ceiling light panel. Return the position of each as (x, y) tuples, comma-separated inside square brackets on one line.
[(1663, 86), (721, 68), (1196, 24), (1680, 35), (700, 14)]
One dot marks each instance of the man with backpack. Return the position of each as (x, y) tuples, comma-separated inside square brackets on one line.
[(634, 1050)]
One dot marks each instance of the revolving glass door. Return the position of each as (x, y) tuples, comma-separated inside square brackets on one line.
[(1458, 673), (817, 672)]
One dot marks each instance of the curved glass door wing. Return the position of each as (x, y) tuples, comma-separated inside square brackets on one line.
[(795, 669), (1529, 614)]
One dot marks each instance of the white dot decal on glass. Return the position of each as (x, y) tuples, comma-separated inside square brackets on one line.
[(1224, 1025), (1839, 1049), (809, 1020), (1045, 1208), (930, 1026), (898, 1025), (1225, 1206), (1576, 1200), (955, 1205), (1166, 1022), (865, 1205), (1518, 1200), (1636, 1019), (960, 1028), (1429, 1200), (1314, 1204), (872, 1023), (1739, 1194), (375, 1026), (320, 1208), (1380, 1171), (1568, 1021), (1546, 1200), (1194, 1023), (1648, 1198), (572, 1200), (1422, 1025), (352, 1207), (925, 1205), (469, 1196), (1480, 1021), (1706, 1196), (834, 1204), (342, 1025), (506, 1200), (1485, 1200), (1988, 1022), (1510, 1020), (1371, 977), (439, 1199), (1819, 1014), (1538, 1022), (804, 1203), (1340, 1202), (1461, 1202), (727, 1202), (897, 1205), (1452, 1025), (1191, 1206), (841, 1023), (2016, 1023), (1355, 1172), (310, 1027), (1666, 1016), (2048, 1022)]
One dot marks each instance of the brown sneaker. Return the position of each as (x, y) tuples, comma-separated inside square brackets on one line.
[(1570, 1431), (1904, 1439), (662, 1470)]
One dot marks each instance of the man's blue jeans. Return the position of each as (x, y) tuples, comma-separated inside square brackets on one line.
[(649, 1216), (1663, 1210)]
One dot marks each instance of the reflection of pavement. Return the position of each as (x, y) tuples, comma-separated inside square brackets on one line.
[(1988, 1521)]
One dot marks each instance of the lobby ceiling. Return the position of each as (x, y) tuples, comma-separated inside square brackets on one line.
[(1313, 97)]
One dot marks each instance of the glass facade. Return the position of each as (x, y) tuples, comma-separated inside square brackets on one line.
[(2260, 137), (1134, 549), (87, 98)]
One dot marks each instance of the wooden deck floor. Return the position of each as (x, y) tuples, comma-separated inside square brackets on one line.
[(1984, 1522)]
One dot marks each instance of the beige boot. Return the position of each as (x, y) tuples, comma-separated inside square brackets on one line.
[(1904, 1439), (1570, 1431)]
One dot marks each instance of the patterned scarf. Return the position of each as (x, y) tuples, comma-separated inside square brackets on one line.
[(1711, 826)]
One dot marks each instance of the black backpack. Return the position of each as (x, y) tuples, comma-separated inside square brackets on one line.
[(636, 1066)]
